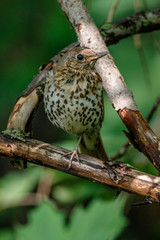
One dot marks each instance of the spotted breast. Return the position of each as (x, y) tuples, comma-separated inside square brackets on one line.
[(73, 98)]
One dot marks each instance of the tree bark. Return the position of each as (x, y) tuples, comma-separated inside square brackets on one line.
[(141, 22), (92, 169), (141, 135)]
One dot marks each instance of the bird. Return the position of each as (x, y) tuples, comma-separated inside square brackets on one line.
[(73, 100)]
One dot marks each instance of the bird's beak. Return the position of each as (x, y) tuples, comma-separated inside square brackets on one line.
[(96, 56)]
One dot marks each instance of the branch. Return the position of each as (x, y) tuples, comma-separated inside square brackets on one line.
[(19, 119), (111, 33), (140, 134), (92, 169), (125, 146), (153, 109), (141, 22)]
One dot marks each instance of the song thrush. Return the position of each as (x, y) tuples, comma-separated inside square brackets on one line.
[(73, 100)]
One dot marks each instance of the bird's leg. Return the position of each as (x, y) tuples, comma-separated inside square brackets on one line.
[(73, 153)]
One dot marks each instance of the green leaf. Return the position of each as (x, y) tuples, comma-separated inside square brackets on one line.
[(44, 222), (15, 186), (102, 220), (106, 26)]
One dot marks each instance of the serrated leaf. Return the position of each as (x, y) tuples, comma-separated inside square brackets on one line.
[(103, 220), (44, 222)]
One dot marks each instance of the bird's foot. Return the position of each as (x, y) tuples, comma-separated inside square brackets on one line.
[(74, 154)]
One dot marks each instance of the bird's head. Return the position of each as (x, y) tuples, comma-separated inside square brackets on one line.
[(80, 58)]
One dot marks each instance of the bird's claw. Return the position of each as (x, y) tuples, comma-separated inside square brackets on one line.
[(74, 154)]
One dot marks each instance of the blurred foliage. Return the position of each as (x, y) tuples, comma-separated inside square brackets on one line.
[(100, 220), (31, 33), (14, 187)]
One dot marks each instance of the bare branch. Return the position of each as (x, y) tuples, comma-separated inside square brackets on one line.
[(153, 109), (115, 91), (141, 22), (93, 169), (125, 146), (122, 151), (140, 134), (111, 33)]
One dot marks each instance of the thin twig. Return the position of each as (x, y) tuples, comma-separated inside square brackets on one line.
[(138, 46), (112, 11), (125, 147), (137, 5), (45, 183), (156, 41), (122, 151), (145, 4), (143, 62), (153, 109)]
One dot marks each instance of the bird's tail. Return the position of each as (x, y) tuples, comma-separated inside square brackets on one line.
[(91, 144)]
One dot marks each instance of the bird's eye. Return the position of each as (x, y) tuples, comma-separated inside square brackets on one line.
[(80, 57)]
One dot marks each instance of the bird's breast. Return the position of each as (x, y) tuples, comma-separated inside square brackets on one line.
[(75, 107)]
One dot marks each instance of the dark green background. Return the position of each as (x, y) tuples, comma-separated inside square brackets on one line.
[(32, 32)]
